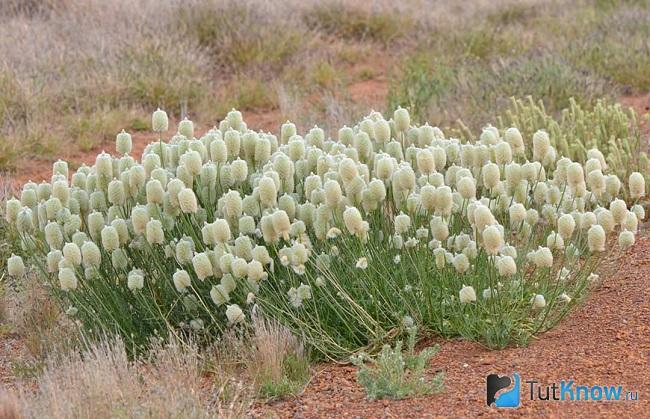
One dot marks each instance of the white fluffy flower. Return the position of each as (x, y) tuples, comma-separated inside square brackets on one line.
[(538, 301), (159, 121), (202, 265), (235, 314), (182, 280), (506, 266), (15, 266), (555, 241), (637, 185), (492, 240), (135, 280), (67, 279), (467, 294), (154, 232), (362, 263), (626, 239), (596, 238), (402, 223), (187, 201), (543, 257), (461, 263)]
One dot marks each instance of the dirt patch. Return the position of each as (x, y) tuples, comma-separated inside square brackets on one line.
[(371, 93), (606, 341)]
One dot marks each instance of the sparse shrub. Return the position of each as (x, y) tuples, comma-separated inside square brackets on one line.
[(617, 47), (242, 35), (396, 375), (476, 91), (350, 20)]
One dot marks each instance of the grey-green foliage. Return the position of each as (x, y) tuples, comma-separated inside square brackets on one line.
[(607, 126), (395, 374)]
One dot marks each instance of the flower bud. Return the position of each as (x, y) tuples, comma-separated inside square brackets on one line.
[(110, 238), (637, 185), (232, 139), (53, 235), (630, 222), (555, 241), (538, 301), (116, 193), (618, 209), (247, 225), (159, 121), (72, 254), (402, 223), (565, 225), (492, 239), (467, 187), (219, 295), (123, 143), (53, 259), (543, 257), (222, 230), (268, 192), (402, 119), (186, 128), (639, 211), (91, 255), (439, 228), (491, 175), (154, 232), (606, 220), (541, 145), (425, 161)]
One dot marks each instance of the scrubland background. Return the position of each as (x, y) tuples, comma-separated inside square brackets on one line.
[(73, 73)]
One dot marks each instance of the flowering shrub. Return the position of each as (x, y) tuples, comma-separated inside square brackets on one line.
[(338, 239)]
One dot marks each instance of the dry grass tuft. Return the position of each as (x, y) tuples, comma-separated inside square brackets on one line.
[(9, 406), (102, 383)]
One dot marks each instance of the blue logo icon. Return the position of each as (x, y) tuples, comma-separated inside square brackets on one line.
[(509, 398)]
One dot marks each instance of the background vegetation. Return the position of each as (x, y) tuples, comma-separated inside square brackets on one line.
[(73, 73)]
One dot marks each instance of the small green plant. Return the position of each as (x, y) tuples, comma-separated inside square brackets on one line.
[(397, 375)]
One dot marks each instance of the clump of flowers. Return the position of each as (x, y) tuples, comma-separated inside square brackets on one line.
[(338, 238)]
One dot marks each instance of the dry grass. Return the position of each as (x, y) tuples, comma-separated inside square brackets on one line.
[(73, 73), (101, 382), (9, 406), (173, 380)]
